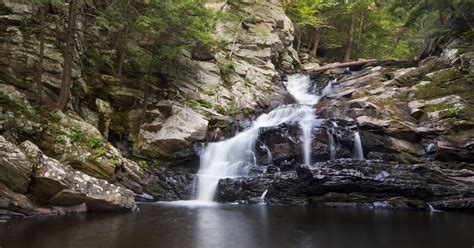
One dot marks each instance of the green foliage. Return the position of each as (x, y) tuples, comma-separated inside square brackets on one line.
[(143, 164), (113, 160), (76, 135), (100, 151), (204, 103), (394, 29), (55, 116), (94, 142), (192, 103)]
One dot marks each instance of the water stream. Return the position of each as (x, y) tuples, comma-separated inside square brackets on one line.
[(235, 156), (359, 153)]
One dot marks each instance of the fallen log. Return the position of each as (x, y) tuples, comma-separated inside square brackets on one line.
[(339, 65)]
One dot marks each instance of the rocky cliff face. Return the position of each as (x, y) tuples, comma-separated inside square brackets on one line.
[(99, 142)]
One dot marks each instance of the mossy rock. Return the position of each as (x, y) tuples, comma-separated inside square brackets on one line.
[(446, 82)]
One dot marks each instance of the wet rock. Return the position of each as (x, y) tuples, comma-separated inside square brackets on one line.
[(351, 183)]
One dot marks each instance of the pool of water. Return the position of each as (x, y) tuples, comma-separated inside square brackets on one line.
[(207, 226)]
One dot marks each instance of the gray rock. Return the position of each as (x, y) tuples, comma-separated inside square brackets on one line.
[(58, 184), (15, 168)]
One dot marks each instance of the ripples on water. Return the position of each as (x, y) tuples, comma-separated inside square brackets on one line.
[(195, 224)]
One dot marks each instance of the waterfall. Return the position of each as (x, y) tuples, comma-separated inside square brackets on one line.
[(265, 193), (332, 145), (328, 89), (298, 86), (359, 153), (236, 156)]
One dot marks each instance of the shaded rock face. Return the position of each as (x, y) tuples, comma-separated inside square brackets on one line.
[(349, 183)]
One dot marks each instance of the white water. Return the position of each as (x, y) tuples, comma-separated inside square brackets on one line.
[(359, 153), (328, 89), (332, 145), (264, 194), (235, 156), (298, 86), (432, 209)]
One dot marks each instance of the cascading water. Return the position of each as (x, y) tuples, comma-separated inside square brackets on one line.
[(359, 153), (235, 156), (298, 87)]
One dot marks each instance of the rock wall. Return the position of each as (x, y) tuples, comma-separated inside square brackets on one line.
[(99, 140)]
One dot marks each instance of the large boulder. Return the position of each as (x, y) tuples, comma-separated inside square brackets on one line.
[(172, 137), (75, 142), (60, 185), (15, 168)]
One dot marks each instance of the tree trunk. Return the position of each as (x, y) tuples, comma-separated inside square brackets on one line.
[(123, 48), (298, 41), (348, 50), (359, 36), (145, 100), (39, 75), (396, 40), (317, 37), (68, 56), (339, 65), (442, 20)]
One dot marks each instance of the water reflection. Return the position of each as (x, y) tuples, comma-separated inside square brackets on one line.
[(180, 225)]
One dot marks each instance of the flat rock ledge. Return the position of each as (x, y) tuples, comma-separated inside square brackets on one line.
[(354, 183)]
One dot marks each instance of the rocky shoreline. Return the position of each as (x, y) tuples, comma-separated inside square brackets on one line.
[(353, 183)]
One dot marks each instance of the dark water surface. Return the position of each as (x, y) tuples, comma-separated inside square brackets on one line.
[(162, 225)]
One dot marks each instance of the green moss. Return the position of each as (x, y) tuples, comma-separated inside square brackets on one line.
[(113, 160), (143, 164), (55, 116), (61, 138), (444, 88), (221, 110), (192, 103), (210, 92), (94, 142), (100, 151), (7, 103), (204, 103), (76, 135)]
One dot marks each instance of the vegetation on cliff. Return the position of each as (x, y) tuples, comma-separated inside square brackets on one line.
[(396, 29)]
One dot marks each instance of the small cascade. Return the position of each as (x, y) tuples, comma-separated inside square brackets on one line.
[(269, 154), (432, 209), (262, 197), (332, 144), (236, 156), (359, 153), (306, 125), (329, 88)]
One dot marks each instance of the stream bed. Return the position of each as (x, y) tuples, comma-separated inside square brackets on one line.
[(217, 225)]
